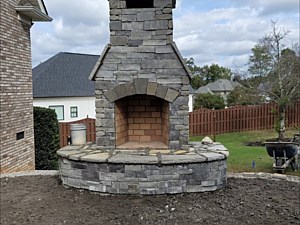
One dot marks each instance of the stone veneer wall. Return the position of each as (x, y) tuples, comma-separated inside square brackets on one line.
[(16, 92), (144, 179), (142, 26), (201, 168), (141, 52)]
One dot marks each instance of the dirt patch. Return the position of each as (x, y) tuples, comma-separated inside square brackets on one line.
[(38, 200), (254, 143)]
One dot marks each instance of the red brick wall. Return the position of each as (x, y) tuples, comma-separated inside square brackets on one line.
[(142, 118), (121, 123), (16, 92), (165, 122)]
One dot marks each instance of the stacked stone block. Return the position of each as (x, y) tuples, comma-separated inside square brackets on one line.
[(16, 101), (145, 179), (142, 26)]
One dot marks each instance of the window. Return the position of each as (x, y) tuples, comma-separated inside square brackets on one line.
[(59, 110), (139, 4), (74, 111)]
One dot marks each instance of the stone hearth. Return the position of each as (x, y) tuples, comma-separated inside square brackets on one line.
[(146, 172)]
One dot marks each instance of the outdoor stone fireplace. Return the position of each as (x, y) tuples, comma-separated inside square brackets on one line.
[(142, 124), (142, 82)]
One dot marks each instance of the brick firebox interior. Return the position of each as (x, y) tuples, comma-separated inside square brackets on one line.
[(142, 119)]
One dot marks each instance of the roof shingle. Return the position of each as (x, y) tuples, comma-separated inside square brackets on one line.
[(64, 75), (218, 86)]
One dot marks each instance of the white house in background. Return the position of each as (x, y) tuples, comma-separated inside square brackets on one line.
[(61, 83), (69, 108), (191, 98)]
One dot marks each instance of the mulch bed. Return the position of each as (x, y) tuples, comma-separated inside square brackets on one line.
[(43, 200)]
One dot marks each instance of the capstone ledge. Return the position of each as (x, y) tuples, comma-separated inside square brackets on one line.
[(92, 153)]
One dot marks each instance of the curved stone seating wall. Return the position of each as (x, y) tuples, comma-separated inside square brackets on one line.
[(156, 172)]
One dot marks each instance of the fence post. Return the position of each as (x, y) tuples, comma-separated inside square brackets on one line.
[(215, 125)]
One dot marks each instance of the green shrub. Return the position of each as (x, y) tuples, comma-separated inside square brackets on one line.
[(208, 101), (244, 96), (46, 138)]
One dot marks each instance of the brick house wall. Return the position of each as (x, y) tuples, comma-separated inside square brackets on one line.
[(16, 101)]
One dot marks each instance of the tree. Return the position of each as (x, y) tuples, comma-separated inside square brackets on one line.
[(215, 72), (197, 79), (243, 96), (278, 66), (207, 74), (260, 60), (209, 101)]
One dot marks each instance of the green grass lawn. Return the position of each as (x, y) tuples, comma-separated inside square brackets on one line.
[(248, 158)]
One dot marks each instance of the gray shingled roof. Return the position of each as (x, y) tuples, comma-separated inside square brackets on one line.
[(204, 90), (265, 87), (64, 75), (218, 86), (191, 89)]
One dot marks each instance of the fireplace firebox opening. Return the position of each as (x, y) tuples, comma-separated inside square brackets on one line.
[(142, 121)]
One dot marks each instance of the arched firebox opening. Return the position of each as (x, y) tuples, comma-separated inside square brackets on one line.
[(142, 121)]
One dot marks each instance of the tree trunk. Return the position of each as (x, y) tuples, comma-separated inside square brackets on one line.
[(281, 134)]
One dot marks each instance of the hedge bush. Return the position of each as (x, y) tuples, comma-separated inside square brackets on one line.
[(209, 101), (46, 138)]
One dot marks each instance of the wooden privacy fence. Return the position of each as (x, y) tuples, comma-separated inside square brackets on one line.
[(240, 118), (207, 122), (64, 130)]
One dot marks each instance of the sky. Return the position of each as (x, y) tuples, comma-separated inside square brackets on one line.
[(211, 31)]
